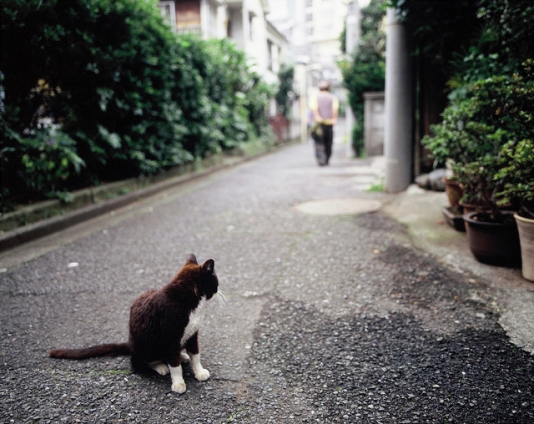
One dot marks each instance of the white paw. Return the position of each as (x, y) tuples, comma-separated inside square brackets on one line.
[(161, 369), (184, 358), (178, 387), (202, 374)]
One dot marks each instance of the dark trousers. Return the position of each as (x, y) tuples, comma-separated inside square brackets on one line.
[(323, 145)]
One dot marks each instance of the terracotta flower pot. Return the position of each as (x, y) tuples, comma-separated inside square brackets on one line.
[(471, 208), (474, 207), (454, 191), (526, 238), (494, 243)]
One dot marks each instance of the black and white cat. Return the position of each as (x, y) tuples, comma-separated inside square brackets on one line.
[(164, 326)]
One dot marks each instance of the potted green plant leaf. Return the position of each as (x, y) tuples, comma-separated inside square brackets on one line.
[(517, 177), (503, 121), (492, 233), (492, 113), (467, 143)]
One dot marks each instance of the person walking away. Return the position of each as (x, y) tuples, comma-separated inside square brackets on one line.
[(325, 107)]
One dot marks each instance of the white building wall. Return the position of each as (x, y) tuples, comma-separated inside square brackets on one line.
[(245, 22), (256, 36)]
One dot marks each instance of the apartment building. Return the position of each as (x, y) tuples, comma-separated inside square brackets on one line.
[(313, 28), (243, 21)]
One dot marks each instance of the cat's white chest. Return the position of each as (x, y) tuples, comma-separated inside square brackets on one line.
[(195, 319)]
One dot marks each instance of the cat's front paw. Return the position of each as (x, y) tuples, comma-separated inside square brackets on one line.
[(184, 358), (202, 374), (161, 369), (178, 387)]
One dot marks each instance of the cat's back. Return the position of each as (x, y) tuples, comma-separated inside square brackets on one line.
[(145, 309), (155, 309), (147, 300)]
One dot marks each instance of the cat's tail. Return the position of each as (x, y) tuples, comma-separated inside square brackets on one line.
[(111, 349)]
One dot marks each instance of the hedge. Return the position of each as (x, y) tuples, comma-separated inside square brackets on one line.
[(100, 90)]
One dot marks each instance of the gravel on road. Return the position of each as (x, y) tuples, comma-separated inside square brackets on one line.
[(329, 318)]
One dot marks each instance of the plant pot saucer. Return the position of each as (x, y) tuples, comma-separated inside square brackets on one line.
[(454, 217)]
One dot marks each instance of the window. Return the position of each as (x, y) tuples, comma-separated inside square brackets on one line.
[(269, 55), (309, 16), (229, 28), (251, 25), (168, 12)]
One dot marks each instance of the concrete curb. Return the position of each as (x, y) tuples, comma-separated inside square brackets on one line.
[(30, 232)]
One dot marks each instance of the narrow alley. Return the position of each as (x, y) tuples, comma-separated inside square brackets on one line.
[(329, 317)]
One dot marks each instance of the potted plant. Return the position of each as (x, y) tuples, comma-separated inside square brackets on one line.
[(443, 148), (460, 141), (492, 233), (476, 127), (506, 176), (517, 177), (453, 213)]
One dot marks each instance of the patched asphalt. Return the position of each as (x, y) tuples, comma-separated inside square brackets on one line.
[(329, 317)]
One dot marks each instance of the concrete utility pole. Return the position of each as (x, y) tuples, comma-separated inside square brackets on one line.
[(398, 131)]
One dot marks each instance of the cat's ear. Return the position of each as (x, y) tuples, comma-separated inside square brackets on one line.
[(192, 259), (209, 266)]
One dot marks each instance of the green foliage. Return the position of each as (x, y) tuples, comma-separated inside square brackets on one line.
[(365, 71), (376, 187), (121, 90), (283, 98), (516, 158), (503, 43), (487, 130), (510, 28), (101, 69), (495, 113), (517, 176), (440, 29), (43, 161), (343, 39)]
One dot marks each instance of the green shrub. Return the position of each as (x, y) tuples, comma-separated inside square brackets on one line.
[(283, 94), (124, 93), (517, 176), (495, 113), (366, 69), (45, 160)]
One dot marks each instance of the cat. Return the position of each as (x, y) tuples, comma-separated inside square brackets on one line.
[(164, 326)]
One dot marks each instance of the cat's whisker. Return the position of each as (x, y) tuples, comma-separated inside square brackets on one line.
[(221, 298)]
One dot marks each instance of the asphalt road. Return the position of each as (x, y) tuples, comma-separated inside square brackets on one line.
[(329, 318)]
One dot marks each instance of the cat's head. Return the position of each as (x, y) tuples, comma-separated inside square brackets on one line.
[(206, 281)]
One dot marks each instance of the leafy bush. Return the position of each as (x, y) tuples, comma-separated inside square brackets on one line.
[(44, 161), (516, 173), (366, 69), (517, 176), (500, 47), (495, 113), (102, 70), (121, 90), (283, 94)]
